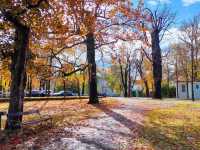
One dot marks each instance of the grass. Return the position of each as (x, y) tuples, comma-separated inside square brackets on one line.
[(173, 128)]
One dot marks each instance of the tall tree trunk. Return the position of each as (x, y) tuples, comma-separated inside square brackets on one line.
[(168, 81), (90, 42), (146, 87), (177, 88), (126, 83), (187, 88), (78, 87), (192, 82), (129, 80), (83, 89), (40, 87), (18, 77), (83, 84), (124, 77), (125, 90), (48, 87), (157, 64), (30, 86), (64, 87)]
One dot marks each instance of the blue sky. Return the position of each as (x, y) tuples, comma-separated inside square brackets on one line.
[(185, 9)]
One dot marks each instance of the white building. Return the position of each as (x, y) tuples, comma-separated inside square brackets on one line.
[(182, 92), (103, 88)]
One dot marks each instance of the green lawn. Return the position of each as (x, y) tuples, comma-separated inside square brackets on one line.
[(175, 128)]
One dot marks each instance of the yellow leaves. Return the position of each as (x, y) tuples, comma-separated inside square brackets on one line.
[(5, 75), (83, 30)]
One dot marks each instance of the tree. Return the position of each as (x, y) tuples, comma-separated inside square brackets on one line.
[(181, 60), (190, 36), (123, 57), (94, 20), (140, 68), (160, 21), (15, 12)]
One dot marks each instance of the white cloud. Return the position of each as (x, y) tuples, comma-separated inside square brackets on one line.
[(156, 2), (189, 2), (172, 36), (152, 2)]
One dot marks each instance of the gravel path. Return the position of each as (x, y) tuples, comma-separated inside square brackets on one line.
[(114, 129)]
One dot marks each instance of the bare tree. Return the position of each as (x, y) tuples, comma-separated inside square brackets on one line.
[(161, 19), (190, 36), (124, 57), (139, 63)]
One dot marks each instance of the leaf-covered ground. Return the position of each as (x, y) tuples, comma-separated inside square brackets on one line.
[(65, 113), (115, 124)]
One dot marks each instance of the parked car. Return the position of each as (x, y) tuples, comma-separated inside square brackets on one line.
[(102, 94), (64, 93), (36, 93), (46, 93)]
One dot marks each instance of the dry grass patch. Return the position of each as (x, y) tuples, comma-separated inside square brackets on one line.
[(173, 128)]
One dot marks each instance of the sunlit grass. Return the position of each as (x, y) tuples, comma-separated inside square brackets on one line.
[(173, 128)]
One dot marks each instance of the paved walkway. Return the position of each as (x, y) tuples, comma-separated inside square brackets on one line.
[(114, 129)]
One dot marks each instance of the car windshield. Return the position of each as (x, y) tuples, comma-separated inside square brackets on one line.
[(60, 92)]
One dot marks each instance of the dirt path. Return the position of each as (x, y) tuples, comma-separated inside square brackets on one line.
[(114, 129)]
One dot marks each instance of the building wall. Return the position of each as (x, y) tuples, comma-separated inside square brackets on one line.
[(182, 90), (103, 88)]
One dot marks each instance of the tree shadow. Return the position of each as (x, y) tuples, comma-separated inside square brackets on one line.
[(152, 135), (97, 144), (132, 125)]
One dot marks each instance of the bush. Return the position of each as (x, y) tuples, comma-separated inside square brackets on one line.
[(168, 91)]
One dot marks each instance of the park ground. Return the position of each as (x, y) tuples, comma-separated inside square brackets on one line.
[(114, 124)]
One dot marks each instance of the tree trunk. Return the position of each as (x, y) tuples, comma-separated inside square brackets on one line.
[(18, 77), (168, 81), (48, 87), (90, 42), (124, 77), (187, 89), (157, 64), (78, 88), (125, 90), (83, 89), (129, 80), (126, 83), (177, 88), (30, 86), (83, 84), (192, 82), (64, 87), (147, 88), (40, 87)]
